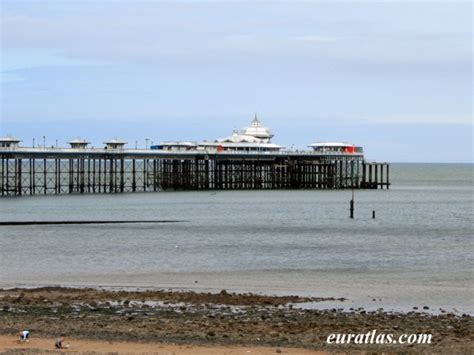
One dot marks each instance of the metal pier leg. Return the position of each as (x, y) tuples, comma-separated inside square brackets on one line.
[(19, 177), (59, 175), (388, 178), (88, 175), (56, 177), (381, 176), (154, 174), (376, 176), (134, 181), (45, 183), (144, 174), (34, 175), (31, 176), (7, 180), (71, 176), (99, 177), (111, 175), (3, 176), (122, 172), (93, 175), (370, 175)]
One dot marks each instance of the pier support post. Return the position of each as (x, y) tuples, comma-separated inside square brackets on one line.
[(122, 173), (45, 183), (388, 178), (381, 176), (18, 173)]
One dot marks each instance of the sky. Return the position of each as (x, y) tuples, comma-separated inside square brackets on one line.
[(392, 76)]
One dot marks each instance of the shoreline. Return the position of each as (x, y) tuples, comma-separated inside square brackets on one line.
[(215, 319), (323, 302)]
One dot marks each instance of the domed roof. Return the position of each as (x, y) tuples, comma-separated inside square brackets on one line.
[(115, 141), (238, 138), (79, 141), (256, 129), (9, 139)]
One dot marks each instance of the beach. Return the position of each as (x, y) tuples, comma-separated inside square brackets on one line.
[(10, 345), (223, 321)]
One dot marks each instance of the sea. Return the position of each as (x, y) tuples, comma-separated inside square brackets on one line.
[(417, 252)]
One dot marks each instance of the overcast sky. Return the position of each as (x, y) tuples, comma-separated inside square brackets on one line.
[(392, 76)]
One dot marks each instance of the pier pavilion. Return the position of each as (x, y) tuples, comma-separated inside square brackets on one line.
[(245, 160)]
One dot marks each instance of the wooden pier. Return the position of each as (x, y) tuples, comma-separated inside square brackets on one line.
[(30, 171)]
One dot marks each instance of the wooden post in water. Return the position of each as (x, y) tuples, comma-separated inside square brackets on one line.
[(352, 187), (352, 205)]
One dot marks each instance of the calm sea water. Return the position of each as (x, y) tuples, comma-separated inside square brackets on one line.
[(418, 251)]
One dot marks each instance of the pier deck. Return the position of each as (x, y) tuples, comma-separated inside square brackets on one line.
[(29, 171)]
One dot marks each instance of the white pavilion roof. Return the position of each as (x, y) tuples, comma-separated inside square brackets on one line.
[(239, 138), (9, 139), (79, 141), (256, 129), (115, 141), (241, 145)]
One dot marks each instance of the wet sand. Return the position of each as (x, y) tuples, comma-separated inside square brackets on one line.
[(9, 344), (183, 319)]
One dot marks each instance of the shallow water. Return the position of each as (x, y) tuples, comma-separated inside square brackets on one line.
[(418, 251)]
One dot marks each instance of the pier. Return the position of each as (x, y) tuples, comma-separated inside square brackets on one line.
[(32, 171)]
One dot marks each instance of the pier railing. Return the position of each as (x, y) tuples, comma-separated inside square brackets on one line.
[(151, 152)]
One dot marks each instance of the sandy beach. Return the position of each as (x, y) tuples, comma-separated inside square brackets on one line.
[(183, 322), (9, 344)]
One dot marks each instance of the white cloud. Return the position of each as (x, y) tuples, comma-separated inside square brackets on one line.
[(206, 31)]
